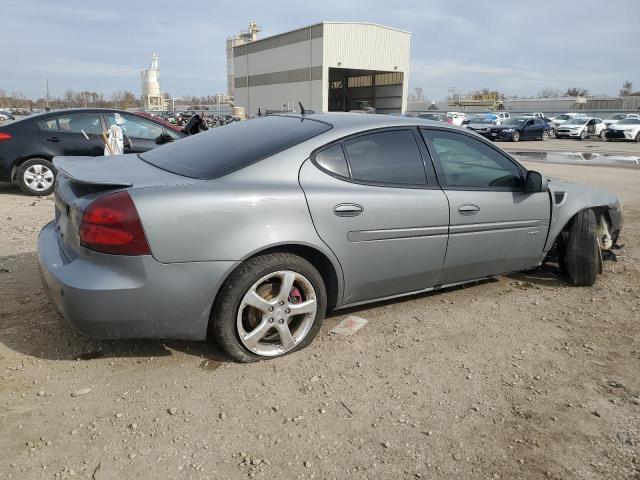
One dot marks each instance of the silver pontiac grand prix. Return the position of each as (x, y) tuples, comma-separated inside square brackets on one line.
[(250, 233)]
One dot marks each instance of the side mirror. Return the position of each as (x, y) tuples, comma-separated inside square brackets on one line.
[(535, 182), (163, 138)]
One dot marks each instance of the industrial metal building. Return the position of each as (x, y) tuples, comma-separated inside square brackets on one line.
[(330, 66)]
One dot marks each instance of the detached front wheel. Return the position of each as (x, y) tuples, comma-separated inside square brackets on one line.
[(271, 305), (582, 260)]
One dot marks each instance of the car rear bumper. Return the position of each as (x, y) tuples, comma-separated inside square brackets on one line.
[(114, 296)]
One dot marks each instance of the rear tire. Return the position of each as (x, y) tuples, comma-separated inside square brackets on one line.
[(582, 258), (227, 321), (638, 137), (37, 177), (545, 136)]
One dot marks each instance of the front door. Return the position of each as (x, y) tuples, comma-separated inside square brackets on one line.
[(72, 134), (495, 226), (140, 134), (384, 219)]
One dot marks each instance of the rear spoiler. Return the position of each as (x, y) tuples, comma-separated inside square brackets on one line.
[(90, 171)]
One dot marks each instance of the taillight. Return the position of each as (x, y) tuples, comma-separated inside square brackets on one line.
[(4, 136), (111, 224)]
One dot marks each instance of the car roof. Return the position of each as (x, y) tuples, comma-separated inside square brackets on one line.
[(344, 122)]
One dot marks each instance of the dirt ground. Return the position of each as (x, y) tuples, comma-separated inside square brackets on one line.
[(519, 377)]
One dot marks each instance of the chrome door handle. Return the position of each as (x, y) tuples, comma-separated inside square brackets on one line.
[(468, 209), (348, 210)]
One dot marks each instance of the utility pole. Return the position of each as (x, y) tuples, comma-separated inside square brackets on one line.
[(47, 97)]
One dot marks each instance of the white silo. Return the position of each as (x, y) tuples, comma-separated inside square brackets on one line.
[(152, 98)]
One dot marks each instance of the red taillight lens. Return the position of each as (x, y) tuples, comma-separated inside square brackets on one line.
[(4, 136), (111, 224)]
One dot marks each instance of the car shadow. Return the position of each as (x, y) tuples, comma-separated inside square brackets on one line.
[(30, 326), (547, 275)]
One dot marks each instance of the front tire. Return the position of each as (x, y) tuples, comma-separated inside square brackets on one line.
[(515, 137), (638, 137), (37, 177), (582, 258), (583, 135), (270, 306)]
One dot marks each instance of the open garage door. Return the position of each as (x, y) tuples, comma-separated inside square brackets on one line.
[(365, 90)]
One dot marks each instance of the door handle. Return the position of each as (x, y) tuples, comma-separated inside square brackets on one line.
[(348, 210), (468, 209), (52, 139)]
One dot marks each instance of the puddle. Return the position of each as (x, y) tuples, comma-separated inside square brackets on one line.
[(580, 158), (210, 365)]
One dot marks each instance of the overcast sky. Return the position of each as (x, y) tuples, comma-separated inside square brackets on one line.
[(513, 46)]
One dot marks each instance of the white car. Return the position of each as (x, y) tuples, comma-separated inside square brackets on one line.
[(457, 117), (582, 128), (502, 116), (615, 118), (626, 129), (561, 119)]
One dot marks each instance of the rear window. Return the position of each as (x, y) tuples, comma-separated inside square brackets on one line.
[(223, 150)]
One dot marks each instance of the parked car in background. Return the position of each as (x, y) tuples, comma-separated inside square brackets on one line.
[(615, 118), (481, 116), (27, 146), (457, 117), (296, 216), (5, 115), (626, 129), (533, 114), (520, 128), (582, 128), (435, 116), (481, 124), (502, 116)]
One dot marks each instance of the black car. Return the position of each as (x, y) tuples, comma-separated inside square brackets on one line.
[(28, 145), (520, 128)]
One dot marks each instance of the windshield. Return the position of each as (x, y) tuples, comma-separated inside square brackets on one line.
[(514, 121), (222, 150), (565, 117), (577, 121), (630, 121)]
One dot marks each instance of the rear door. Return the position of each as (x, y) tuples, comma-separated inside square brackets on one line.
[(495, 226), (72, 134), (385, 219)]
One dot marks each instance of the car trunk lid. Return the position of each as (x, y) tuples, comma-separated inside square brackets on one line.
[(81, 180)]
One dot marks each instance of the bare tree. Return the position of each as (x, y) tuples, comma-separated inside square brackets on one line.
[(549, 93), (627, 89), (576, 92)]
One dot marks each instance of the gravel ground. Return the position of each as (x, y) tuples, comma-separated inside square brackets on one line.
[(517, 377)]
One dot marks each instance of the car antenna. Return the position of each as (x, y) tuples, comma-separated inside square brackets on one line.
[(303, 111)]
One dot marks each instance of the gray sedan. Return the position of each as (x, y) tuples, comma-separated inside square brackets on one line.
[(250, 233)]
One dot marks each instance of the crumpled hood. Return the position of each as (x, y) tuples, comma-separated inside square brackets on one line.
[(590, 196)]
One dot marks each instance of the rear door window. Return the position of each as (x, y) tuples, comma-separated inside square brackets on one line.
[(73, 123), (223, 150), (386, 157)]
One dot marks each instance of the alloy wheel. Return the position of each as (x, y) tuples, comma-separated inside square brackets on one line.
[(276, 313), (38, 178)]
